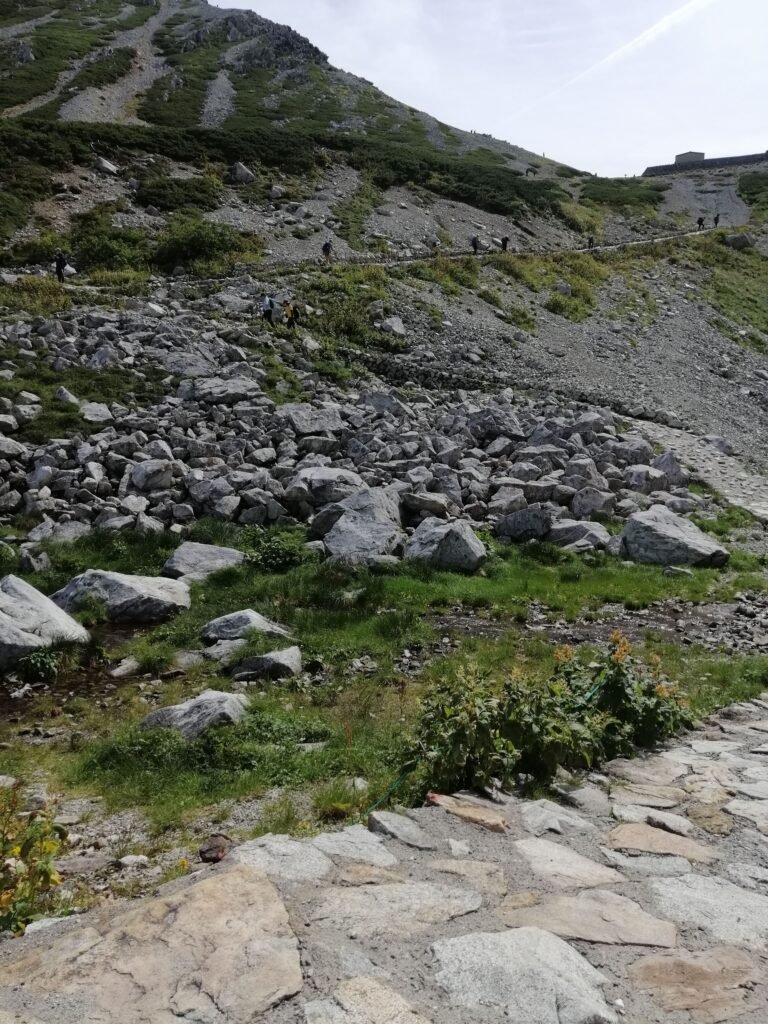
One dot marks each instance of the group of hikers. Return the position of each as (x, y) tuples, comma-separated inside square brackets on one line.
[(285, 313), (701, 222)]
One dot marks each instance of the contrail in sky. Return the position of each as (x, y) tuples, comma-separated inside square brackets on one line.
[(664, 25)]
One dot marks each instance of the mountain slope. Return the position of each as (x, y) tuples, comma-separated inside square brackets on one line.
[(185, 63)]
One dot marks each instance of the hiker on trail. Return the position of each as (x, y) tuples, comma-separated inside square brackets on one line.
[(290, 315), (268, 309), (717, 219), (60, 262), (327, 249), (700, 223), (475, 244), (505, 243), (591, 242), (436, 247)]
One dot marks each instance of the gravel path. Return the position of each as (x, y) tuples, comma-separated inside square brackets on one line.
[(25, 27), (219, 101)]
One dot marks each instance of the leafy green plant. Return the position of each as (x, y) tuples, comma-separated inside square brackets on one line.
[(29, 845), (40, 666), (460, 738), (471, 730), (270, 551)]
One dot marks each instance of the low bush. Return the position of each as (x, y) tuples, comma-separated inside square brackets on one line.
[(29, 845), (180, 193), (472, 730)]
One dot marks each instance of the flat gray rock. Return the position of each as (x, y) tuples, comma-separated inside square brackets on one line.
[(482, 875), (283, 859), (355, 843), (125, 598), (589, 798), (755, 811), (200, 560), (30, 621), (194, 716), (404, 909), (237, 625), (727, 912), (647, 865), (529, 975), (542, 816), (564, 868), (399, 827)]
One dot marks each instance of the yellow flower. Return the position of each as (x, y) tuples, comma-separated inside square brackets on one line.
[(564, 654)]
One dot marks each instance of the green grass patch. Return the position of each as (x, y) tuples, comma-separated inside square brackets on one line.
[(176, 194), (625, 195), (753, 189), (35, 296), (738, 282), (61, 420), (353, 212), (106, 70)]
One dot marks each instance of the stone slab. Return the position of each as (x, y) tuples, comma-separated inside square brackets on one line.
[(564, 868)]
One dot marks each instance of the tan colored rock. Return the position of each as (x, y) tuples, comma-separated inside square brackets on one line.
[(659, 797), (487, 817), (655, 771), (706, 790), (362, 1001), (224, 942), (516, 901), (647, 839), (714, 986), (711, 818), (596, 916), (481, 874), (564, 868), (368, 874)]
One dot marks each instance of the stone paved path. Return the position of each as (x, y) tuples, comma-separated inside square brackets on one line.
[(726, 473), (642, 896)]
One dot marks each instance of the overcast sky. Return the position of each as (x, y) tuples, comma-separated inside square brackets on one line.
[(605, 85)]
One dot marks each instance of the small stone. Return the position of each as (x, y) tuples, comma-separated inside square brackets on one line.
[(401, 828)]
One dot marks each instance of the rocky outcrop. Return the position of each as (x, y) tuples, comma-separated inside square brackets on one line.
[(196, 715), (30, 621), (660, 536), (453, 546), (125, 598)]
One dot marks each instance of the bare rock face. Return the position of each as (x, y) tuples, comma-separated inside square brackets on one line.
[(221, 949), (30, 621)]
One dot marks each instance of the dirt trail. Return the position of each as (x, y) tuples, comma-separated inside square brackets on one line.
[(25, 27)]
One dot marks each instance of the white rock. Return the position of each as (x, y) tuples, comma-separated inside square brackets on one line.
[(30, 621)]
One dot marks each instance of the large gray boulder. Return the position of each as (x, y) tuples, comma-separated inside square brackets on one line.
[(152, 475), (200, 560), (589, 501), (574, 535), (125, 598), (661, 537), (532, 523), (304, 418), (274, 666), (30, 621), (197, 714), (739, 242), (240, 174), (321, 485), (368, 526), (676, 474), (237, 625), (452, 546)]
